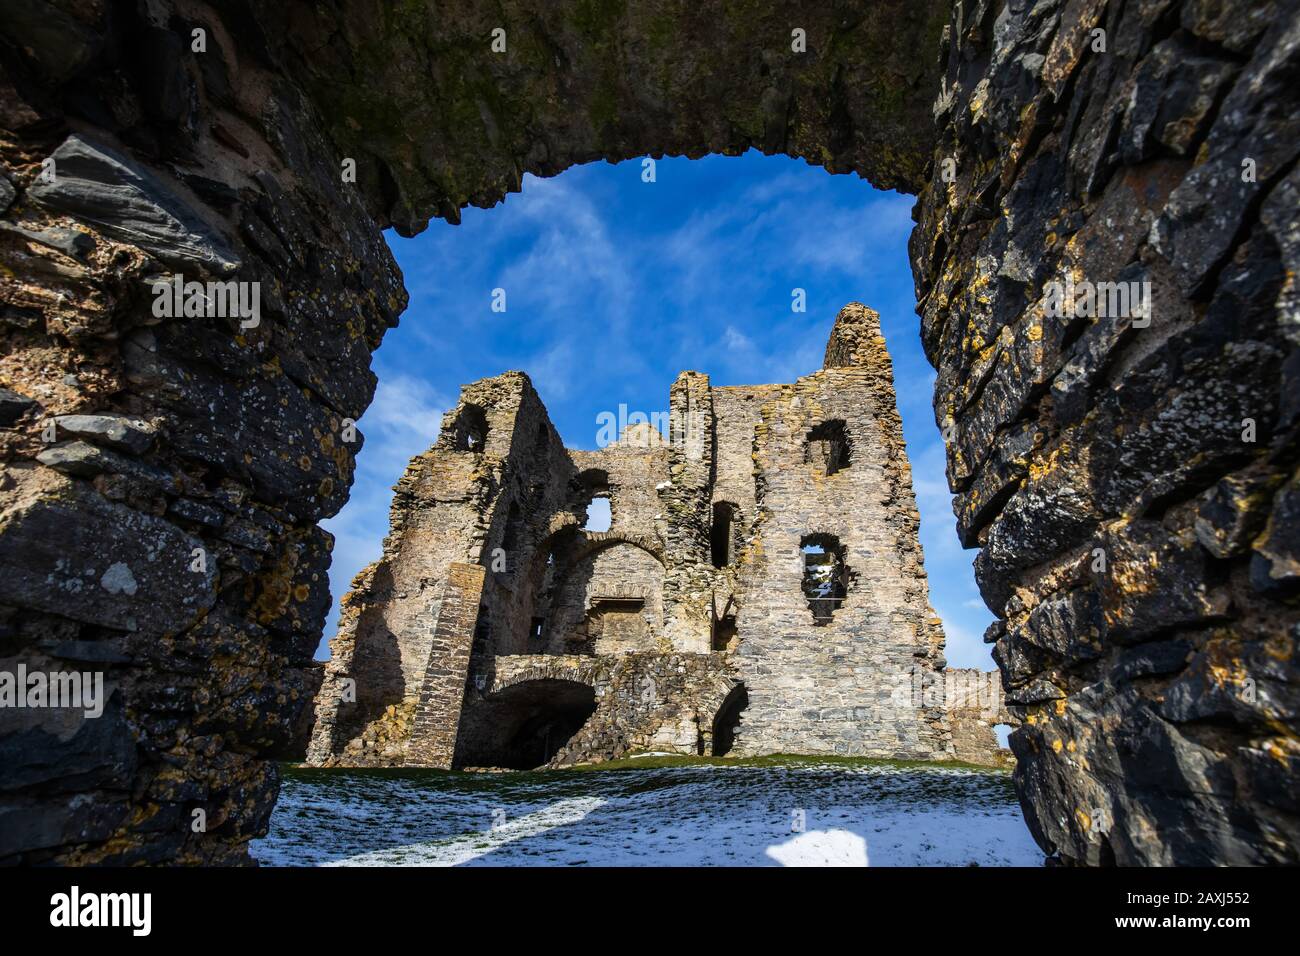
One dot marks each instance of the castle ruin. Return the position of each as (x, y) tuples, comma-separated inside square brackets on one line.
[(760, 588)]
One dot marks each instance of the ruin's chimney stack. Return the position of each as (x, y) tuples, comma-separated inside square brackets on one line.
[(856, 338)]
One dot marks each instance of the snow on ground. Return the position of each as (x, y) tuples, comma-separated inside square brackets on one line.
[(800, 814)]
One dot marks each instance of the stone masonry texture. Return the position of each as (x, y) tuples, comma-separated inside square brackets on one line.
[(1131, 486)]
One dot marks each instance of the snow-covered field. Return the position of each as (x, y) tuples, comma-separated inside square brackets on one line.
[(797, 813)]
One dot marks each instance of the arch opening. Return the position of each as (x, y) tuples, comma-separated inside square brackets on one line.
[(726, 723), (524, 726)]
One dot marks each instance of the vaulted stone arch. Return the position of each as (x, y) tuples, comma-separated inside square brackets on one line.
[(1135, 545)]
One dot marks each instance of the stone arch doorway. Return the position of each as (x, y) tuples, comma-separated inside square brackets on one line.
[(727, 721), (524, 725), (239, 156)]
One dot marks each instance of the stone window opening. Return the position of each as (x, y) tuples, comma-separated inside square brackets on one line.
[(593, 485), (828, 446), (511, 534), (722, 535), (600, 513), (723, 629), (482, 633), (536, 630), (724, 633), (469, 431), (825, 576)]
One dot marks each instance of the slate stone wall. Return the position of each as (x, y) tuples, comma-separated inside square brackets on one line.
[(1129, 479)]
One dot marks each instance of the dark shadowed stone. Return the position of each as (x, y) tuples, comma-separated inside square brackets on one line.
[(1275, 564), (1233, 511), (75, 554), (1205, 213), (1154, 581), (70, 242), (1165, 657), (85, 461), (97, 184), (12, 406), (60, 38), (115, 431), (6, 193), (95, 750)]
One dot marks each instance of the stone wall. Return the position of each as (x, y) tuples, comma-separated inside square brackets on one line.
[(645, 703), (835, 688), (975, 706), (1130, 479)]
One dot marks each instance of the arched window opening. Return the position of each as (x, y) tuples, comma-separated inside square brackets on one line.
[(470, 429), (723, 534), (827, 446), (825, 575)]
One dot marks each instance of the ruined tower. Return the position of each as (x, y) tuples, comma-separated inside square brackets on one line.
[(760, 588)]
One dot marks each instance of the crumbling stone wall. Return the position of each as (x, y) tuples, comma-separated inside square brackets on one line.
[(844, 687), (859, 681), (976, 706)]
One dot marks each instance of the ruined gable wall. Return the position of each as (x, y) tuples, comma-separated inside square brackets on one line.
[(975, 705), (737, 412), (845, 687), (454, 505), (617, 569)]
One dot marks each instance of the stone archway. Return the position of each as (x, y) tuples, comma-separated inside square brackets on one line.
[(1135, 544), (523, 724)]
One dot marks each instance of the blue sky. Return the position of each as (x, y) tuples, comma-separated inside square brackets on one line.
[(614, 285)]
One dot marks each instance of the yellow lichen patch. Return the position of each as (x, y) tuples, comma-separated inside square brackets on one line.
[(1056, 745)]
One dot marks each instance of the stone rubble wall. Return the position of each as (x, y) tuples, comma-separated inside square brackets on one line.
[(975, 705), (454, 507), (167, 537), (433, 731), (645, 703)]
